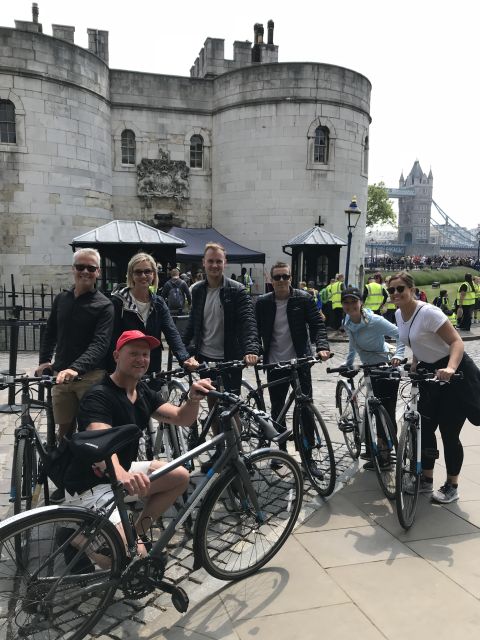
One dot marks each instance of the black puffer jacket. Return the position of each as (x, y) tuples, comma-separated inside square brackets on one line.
[(304, 321), (159, 321), (240, 329)]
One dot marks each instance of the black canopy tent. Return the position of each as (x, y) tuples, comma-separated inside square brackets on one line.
[(196, 239), (119, 240)]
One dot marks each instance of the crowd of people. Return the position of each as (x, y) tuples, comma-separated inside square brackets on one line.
[(407, 263), (110, 344)]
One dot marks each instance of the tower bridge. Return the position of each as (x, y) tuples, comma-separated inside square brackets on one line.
[(420, 230)]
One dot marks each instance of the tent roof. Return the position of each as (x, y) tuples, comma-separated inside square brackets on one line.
[(196, 239), (315, 236), (127, 232)]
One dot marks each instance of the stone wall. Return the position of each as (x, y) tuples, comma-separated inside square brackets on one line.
[(56, 181)]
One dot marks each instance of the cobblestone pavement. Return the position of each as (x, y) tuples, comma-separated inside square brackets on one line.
[(150, 616)]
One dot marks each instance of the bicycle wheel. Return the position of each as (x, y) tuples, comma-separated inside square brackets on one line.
[(348, 418), (250, 433), (315, 448), (51, 590), (24, 475), (232, 540), (407, 475), (384, 450), (180, 441)]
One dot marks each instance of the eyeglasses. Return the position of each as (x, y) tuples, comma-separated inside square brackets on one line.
[(400, 289), (88, 267), (140, 272), (281, 276)]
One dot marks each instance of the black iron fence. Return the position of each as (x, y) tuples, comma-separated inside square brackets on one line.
[(23, 313)]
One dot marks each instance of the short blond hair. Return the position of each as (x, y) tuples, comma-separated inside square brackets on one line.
[(141, 257), (90, 251), (216, 246)]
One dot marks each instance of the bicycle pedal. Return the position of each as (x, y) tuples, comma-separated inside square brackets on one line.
[(179, 597)]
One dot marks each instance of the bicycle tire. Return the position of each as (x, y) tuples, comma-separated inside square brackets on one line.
[(348, 418), (230, 541), (320, 452), (177, 392), (407, 476), (250, 432), (24, 475), (386, 453), (37, 601)]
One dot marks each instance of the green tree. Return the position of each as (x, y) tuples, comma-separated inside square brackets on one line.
[(379, 207)]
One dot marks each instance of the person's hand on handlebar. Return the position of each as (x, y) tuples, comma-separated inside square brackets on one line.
[(199, 389), (39, 371), (323, 355), (395, 362), (67, 375), (191, 364), (445, 374), (250, 359)]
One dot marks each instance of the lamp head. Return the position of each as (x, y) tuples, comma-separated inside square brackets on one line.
[(353, 213)]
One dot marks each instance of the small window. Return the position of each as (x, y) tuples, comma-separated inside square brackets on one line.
[(196, 152), (7, 122), (128, 147), (320, 147)]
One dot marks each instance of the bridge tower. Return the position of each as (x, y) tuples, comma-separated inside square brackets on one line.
[(414, 208)]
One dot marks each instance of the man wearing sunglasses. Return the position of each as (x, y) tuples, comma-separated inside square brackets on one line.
[(78, 330), (288, 323)]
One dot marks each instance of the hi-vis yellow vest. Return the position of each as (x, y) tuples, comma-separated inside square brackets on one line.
[(336, 298), (375, 296), (469, 298)]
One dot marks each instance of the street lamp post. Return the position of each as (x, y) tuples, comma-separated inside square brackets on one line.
[(353, 216), (478, 248)]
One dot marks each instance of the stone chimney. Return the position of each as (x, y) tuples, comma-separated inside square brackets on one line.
[(270, 27), (98, 43), (34, 26), (63, 32)]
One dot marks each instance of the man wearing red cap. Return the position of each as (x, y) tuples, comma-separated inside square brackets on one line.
[(122, 398)]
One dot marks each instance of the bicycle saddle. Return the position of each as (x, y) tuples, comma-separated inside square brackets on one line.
[(349, 373), (99, 444)]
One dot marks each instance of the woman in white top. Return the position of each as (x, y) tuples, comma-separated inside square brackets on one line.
[(437, 347)]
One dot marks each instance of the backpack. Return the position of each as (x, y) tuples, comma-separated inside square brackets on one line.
[(176, 297)]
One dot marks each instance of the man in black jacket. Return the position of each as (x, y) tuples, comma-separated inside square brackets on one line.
[(288, 322), (221, 326), (79, 331)]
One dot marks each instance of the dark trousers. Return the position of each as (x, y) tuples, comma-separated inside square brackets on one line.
[(278, 395), (337, 318), (440, 406), (466, 321)]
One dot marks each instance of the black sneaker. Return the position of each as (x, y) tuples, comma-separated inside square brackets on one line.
[(57, 496), (276, 464), (82, 563), (315, 470)]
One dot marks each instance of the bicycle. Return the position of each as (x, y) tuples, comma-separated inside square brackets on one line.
[(313, 443), (375, 428), (60, 566), (409, 453), (29, 452)]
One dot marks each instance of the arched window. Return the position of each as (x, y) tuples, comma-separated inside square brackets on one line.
[(128, 147), (320, 146), (196, 152), (365, 155), (7, 122)]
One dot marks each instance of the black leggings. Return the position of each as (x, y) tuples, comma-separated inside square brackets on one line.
[(440, 406)]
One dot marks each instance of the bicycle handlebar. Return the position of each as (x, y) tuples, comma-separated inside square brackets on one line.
[(6, 380), (261, 417), (379, 368), (295, 363)]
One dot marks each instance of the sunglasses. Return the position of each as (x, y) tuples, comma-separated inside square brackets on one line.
[(88, 267), (140, 272), (281, 276), (400, 289)]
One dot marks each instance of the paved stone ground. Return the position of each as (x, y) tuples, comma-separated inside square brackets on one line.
[(152, 616)]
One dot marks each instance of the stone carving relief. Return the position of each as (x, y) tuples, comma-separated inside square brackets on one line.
[(163, 178)]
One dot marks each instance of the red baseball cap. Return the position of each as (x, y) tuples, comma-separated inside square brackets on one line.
[(128, 336)]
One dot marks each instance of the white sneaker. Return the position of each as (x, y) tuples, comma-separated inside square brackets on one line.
[(445, 494)]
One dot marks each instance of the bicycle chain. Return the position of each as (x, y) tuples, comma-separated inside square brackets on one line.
[(140, 578)]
